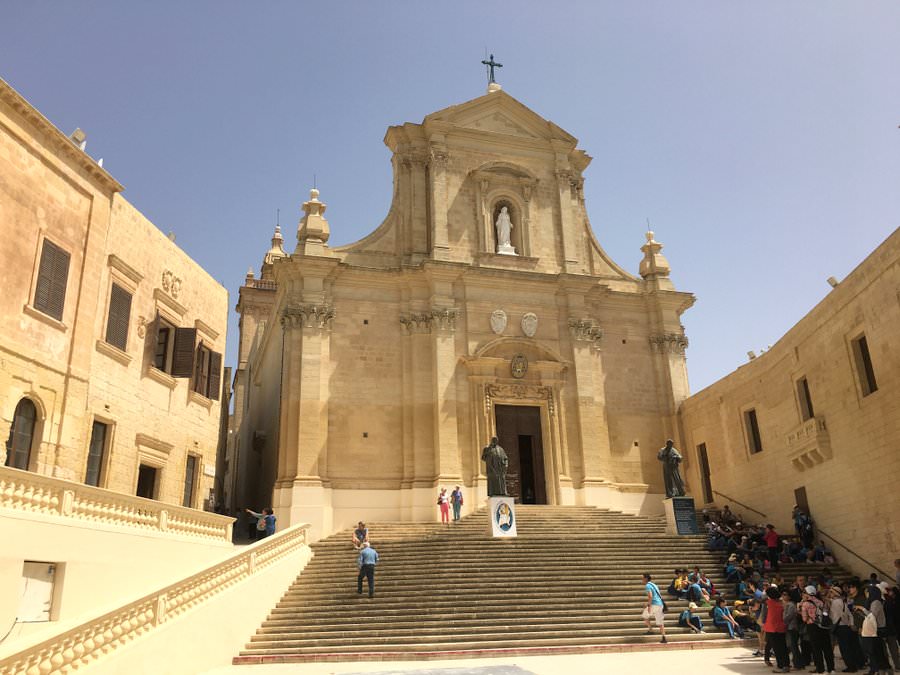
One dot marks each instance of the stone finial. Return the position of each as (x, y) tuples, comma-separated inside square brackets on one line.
[(250, 274), (313, 231), (277, 250), (654, 265)]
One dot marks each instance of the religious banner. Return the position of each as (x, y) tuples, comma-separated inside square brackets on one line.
[(502, 512)]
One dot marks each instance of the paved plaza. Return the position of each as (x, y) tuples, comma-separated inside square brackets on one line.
[(733, 660)]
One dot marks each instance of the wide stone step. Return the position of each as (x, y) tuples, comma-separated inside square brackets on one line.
[(508, 642), (373, 625)]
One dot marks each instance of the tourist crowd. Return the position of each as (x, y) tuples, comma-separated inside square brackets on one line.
[(800, 621)]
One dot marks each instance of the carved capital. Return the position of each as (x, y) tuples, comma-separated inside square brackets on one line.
[(673, 343), (439, 158), (586, 330), (445, 318), (416, 323), (309, 315)]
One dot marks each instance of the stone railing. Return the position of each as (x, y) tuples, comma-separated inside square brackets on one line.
[(35, 493), (83, 645)]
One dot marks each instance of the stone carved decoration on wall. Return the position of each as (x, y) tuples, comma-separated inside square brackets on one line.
[(445, 319), (171, 284), (142, 327), (673, 343), (518, 366), (529, 324), (498, 321), (308, 315), (519, 392), (416, 323), (586, 330)]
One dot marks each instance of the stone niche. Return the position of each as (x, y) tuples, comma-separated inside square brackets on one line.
[(500, 184)]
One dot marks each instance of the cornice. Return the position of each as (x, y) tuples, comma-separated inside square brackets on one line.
[(59, 140)]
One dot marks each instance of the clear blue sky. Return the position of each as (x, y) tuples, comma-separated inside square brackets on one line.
[(760, 138)]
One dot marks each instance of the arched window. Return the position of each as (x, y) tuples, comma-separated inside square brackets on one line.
[(21, 435)]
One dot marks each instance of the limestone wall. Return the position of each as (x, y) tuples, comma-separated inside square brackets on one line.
[(50, 190), (845, 456)]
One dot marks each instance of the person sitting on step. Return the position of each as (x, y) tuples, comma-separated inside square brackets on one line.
[(723, 620), (679, 585), (688, 619), (360, 535)]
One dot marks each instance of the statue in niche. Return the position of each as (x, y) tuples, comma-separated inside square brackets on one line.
[(504, 228), (496, 463), (671, 458)]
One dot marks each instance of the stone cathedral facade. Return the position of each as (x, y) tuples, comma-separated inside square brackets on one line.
[(371, 374)]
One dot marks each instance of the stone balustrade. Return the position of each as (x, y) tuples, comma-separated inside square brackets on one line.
[(35, 493), (83, 645)]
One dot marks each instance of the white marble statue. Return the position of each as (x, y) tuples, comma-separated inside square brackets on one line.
[(504, 229)]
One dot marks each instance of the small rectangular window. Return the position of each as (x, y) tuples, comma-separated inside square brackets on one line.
[(96, 453), (207, 372), (162, 350), (751, 423), (190, 480), (146, 484), (803, 395), (53, 275), (118, 318), (864, 370)]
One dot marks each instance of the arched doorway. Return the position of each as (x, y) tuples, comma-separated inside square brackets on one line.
[(21, 435)]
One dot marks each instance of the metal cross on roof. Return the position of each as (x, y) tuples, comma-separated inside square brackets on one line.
[(491, 65)]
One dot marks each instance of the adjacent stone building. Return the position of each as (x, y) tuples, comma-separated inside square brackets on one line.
[(112, 340), (372, 373), (814, 421)]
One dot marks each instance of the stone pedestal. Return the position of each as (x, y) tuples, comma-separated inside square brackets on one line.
[(502, 516), (681, 515), (506, 249)]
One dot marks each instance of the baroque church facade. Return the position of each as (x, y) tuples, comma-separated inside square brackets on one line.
[(370, 374)]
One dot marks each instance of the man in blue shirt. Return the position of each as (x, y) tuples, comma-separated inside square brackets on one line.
[(368, 557), (654, 607)]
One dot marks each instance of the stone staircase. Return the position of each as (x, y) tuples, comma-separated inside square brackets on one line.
[(571, 581)]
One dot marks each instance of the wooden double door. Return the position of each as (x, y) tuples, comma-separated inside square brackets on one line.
[(519, 433)]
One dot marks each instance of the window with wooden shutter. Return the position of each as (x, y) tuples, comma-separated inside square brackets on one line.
[(119, 316), (201, 370), (53, 273), (215, 375), (183, 352)]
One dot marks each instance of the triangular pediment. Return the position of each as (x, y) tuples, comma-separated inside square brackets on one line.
[(500, 113)]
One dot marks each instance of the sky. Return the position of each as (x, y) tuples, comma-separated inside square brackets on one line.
[(760, 138)]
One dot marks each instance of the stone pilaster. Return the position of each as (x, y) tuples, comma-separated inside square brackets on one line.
[(591, 410), (448, 465), (440, 247)]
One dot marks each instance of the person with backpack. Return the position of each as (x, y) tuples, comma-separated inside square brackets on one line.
[(265, 522), (818, 629), (842, 618), (687, 619), (655, 607)]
